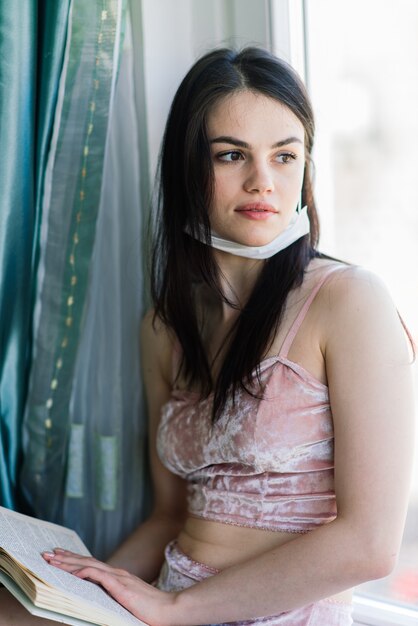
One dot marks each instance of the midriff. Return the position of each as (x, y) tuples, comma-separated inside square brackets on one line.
[(221, 545)]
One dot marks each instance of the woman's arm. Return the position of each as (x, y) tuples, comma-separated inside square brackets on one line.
[(370, 385), (371, 398), (142, 553)]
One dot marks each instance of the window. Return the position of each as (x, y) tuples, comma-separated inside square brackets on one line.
[(361, 71)]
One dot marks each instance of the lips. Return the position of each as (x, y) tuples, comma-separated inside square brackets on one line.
[(260, 211), (256, 207)]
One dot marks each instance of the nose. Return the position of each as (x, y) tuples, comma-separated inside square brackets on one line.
[(259, 179)]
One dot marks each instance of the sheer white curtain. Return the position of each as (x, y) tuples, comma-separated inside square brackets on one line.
[(105, 476)]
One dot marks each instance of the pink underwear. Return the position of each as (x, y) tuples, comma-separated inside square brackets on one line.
[(179, 572)]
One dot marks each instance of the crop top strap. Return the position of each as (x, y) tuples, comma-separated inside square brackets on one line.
[(284, 350)]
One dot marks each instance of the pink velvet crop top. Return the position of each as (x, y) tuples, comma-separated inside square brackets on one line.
[(267, 463)]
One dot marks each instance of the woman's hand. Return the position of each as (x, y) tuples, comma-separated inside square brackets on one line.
[(143, 600)]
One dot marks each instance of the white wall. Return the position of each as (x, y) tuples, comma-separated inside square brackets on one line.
[(170, 34)]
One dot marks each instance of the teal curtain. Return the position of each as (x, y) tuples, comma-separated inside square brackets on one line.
[(32, 42), (69, 213), (83, 433), (72, 429)]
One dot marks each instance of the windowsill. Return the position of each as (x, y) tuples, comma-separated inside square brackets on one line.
[(372, 612)]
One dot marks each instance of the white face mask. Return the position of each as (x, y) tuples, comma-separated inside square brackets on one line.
[(298, 227)]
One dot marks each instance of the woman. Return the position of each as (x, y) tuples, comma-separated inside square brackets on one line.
[(278, 380)]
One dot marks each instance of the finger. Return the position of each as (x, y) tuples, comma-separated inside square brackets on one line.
[(110, 581), (66, 567), (67, 562), (65, 556), (71, 562), (61, 552)]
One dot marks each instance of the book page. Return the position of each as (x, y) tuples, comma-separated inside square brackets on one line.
[(29, 606), (24, 538), (24, 535)]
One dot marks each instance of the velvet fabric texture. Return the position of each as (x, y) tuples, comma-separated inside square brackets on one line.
[(180, 572), (269, 460)]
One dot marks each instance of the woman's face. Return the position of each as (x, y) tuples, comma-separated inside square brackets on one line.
[(258, 155)]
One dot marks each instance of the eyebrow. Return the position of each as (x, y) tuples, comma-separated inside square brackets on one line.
[(243, 144)]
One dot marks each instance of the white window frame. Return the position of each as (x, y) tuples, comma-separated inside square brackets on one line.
[(287, 32), (373, 612)]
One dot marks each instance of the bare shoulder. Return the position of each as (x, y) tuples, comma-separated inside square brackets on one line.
[(352, 288), (357, 308), (349, 282)]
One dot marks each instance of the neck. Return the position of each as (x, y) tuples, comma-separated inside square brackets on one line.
[(237, 277)]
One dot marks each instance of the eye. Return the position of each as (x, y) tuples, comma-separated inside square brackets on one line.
[(286, 157), (231, 155)]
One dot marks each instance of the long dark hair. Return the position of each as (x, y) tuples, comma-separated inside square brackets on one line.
[(186, 187)]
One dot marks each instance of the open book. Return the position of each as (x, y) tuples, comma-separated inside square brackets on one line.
[(45, 590)]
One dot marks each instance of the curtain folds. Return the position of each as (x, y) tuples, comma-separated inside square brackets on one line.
[(105, 483), (105, 489), (72, 427), (83, 427), (70, 203), (32, 42)]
